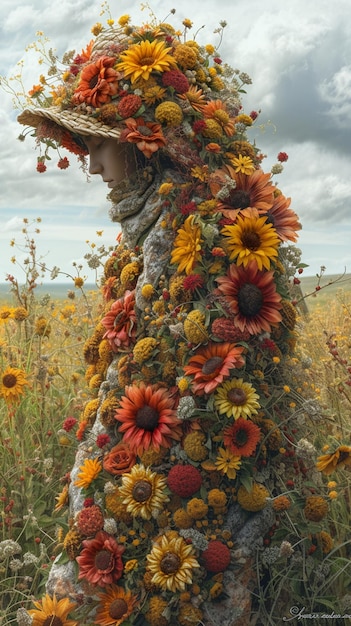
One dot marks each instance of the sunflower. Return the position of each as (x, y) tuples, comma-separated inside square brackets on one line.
[(120, 322), (255, 191), (143, 492), (187, 246), (89, 471), (171, 562), (97, 83), (211, 364), (148, 418), (251, 239), (328, 463), (242, 437), (115, 606), (52, 611), (100, 561), (13, 380), (284, 219), (252, 297), (144, 58), (147, 136), (236, 398)]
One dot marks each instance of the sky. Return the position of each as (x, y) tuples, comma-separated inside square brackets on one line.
[(298, 55)]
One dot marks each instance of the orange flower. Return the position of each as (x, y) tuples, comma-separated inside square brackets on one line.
[(119, 460), (148, 418), (120, 322), (217, 110), (115, 606), (211, 364), (251, 296), (97, 84), (147, 135), (284, 220), (100, 561), (195, 97), (251, 191), (328, 463)]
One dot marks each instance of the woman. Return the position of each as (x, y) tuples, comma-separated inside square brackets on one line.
[(177, 467)]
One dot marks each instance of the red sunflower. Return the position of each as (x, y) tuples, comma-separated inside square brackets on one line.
[(120, 322), (97, 83), (148, 418), (100, 561), (148, 136), (251, 296), (211, 364), (284, 219), (242, 437), (253, 191)]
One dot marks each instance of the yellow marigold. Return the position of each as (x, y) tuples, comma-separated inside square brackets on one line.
[(201, 76), (183, 384), (147, 291), (107, 411), (217, 83), (218, 500), (194, 446), (182, 519), (189, 615), (207, 207), (130, 272), (95, 381), (194, 327), (212, 129), (90, 410), (281, 503), (185, 56), (144, 348), (72, 543), (316, 508), (253, 500), (154, 615), (326, 541), (96, 29), (210, 49), (124, 20), (197, 508), (114, 505), (20, 314), (165, 189), (159, 307), (244, 119), (169, 114)]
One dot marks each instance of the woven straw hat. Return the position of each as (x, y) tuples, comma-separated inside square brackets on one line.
[(71, 119)]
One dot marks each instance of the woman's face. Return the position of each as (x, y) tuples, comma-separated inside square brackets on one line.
[(110, 159)]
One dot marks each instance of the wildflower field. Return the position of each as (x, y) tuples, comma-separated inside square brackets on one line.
[(44, 402)]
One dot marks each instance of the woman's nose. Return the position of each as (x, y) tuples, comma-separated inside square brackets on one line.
[(95, 166)]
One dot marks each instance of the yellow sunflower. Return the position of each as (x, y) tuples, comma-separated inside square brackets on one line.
[(115, 606), (171, 562), (227, 463), (251, 239), (143, 492), (52, 611), (12, 382), (187, 246), (90, 470), (236, 398), (144, 58)]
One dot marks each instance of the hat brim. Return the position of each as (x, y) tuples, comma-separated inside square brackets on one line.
[(73, 121)]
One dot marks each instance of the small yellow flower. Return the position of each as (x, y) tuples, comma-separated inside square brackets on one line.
[(333, 495), (286, 388), (227, 463), (124, 20), (243, 165), (210, 49), (165, 189), (331, 484), (78, 282), (276, 359), (183, 384), (147, 291), (97, 29)]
